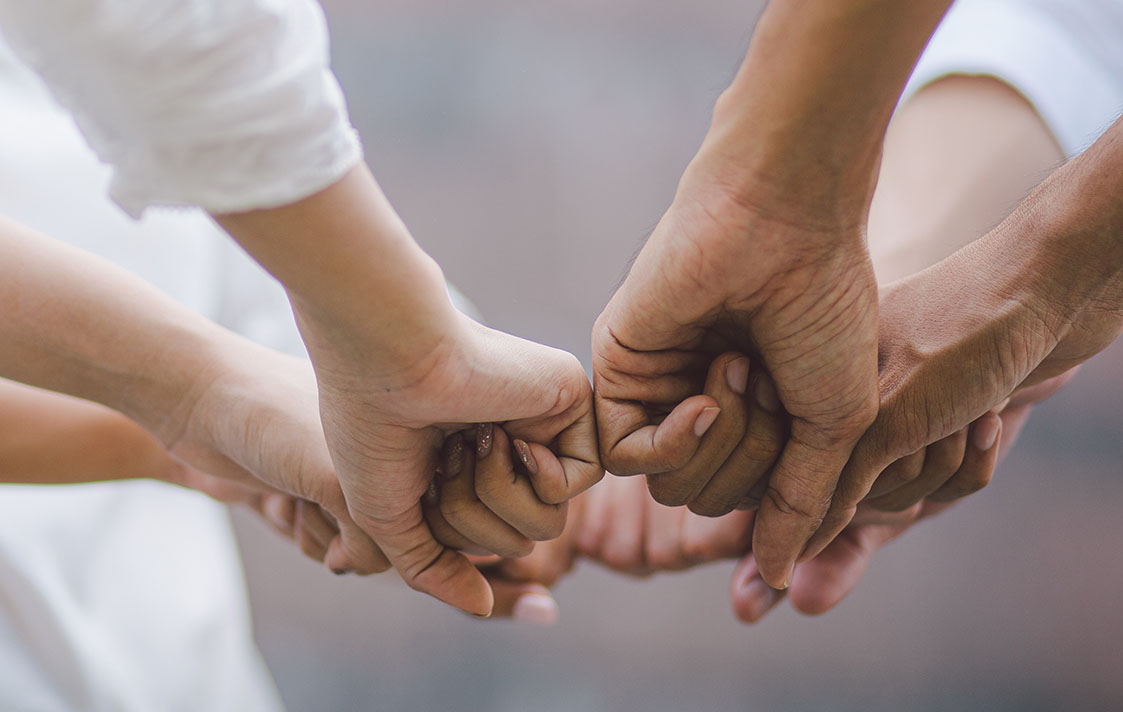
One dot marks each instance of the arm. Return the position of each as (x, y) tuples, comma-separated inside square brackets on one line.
[(51, 438), (76, 324), (1028, 302), (763, 251), (234, 109)]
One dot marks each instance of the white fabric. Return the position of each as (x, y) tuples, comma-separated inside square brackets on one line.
[(1064, 56), (123, 597), (225, 104)]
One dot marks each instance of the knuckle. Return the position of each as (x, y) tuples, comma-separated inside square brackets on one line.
[(788, 505)]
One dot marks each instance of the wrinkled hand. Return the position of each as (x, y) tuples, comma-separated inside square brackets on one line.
[(387, 428), (821, 583), (959, 339), (718, 275)]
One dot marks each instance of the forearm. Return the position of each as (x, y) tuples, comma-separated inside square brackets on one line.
[(801, 125), (1065, 240), (50, 438), (76, 324), (354, 274)]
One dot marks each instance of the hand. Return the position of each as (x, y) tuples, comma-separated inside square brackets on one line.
[(821, 583), (253, 435), (999, 316), (399, 370), (481, 503), (387, 428), (722, 275), (619, 526), (306, 523)]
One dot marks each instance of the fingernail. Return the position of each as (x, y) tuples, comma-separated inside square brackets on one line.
[(760, 597), (483, 439), (986, 432), (526, 457), (787, 579), (737, 375), (705, 419), (454, 457), (766, 397), (536, 609)]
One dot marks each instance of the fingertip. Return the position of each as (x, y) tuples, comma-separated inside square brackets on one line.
[(453, 580), (985, 432)]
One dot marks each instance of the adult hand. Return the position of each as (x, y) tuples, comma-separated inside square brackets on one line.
[(821, 583), (387, 431), (399, 370), (254, 436), (1006, 313), (799, 298)]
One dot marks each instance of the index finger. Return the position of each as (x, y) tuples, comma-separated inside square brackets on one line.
[(797, 498), (575, 467)]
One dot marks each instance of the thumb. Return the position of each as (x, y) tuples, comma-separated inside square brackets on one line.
[(427, 566)]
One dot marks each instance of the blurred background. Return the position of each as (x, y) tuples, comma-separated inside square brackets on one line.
[(531, 148)]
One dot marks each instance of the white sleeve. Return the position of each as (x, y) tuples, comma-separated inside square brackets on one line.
[(225, 104)]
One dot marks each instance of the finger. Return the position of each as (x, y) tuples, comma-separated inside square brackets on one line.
[(631, 444), (523, 602), (310, 536), (726, 383), (898, 474), (280, 511), (662, 536), (428, 567), (941, 461), (796, 500), (978, 463), (550, 560), (352, 549), (444, 532), (621, 544), (509, 495), (706, 539), (821, 583), (751, 597), (462, 509), (869, 459), (575, 468), (751, 459)]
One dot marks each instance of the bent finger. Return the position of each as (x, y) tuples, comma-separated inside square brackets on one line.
[(751, 459), (726, 382), (941, 461), (462, 509), (979, 461), (631, 444), (510, 495)]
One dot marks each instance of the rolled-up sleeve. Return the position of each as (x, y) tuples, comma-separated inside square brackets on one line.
[(229, 105)]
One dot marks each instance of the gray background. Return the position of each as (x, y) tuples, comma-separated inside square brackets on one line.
[(531, 148)]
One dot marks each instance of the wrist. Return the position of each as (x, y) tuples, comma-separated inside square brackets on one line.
[(801, 126)]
